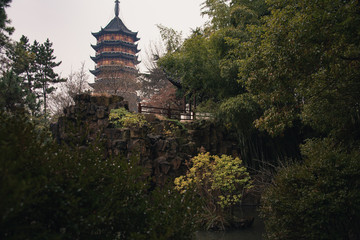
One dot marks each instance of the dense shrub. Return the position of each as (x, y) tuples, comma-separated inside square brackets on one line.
[(319, 199), (122, 118), (219, 183), (56, 192)]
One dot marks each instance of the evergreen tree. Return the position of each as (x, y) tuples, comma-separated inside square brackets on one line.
[(5, 31), (35, 63), (11, 91), (4, 21), (45, 76)]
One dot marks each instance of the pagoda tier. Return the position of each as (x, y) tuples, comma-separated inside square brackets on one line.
[(99, 72), (115, 44), (113, 56), (116, 26), (116, 49)]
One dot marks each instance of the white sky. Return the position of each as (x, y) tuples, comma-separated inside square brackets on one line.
[(69, 23)]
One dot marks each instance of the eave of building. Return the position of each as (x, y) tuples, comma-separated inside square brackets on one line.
[(113, 68), (114, 55), (103, 32), (116, 26), (115, 43)]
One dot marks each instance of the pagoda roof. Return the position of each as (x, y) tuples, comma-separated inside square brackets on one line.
[(115, 43), (116, 26), (114, 68), (115, 55)]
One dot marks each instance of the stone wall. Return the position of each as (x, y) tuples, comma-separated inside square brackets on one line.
[(162, 146)]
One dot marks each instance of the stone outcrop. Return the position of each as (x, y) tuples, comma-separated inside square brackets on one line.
[(162, 146)]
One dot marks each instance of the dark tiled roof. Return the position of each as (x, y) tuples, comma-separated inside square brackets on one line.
[(115, 43), (116, 26), (115, 55), (113, 68)]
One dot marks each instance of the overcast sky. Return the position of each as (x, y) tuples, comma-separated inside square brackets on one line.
[(69, 23)]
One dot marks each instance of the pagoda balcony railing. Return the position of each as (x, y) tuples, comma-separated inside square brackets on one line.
[(111, 41), (114, 66), (97, 54)]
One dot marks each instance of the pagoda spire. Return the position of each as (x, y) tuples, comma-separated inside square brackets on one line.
[(117, 8)]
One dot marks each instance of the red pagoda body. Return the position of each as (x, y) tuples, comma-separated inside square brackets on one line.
[(116, 58)]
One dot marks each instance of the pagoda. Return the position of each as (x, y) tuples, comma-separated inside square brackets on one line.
[(115, 57)]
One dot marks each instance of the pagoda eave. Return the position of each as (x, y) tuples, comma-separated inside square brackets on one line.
[(114, 55), (113, 43), (124, 68), (95, 72), (106, 31)]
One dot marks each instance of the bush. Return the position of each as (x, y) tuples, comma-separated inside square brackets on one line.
[(318, 199), (56, 192), (122, 118), (171, 215), (219, 182)]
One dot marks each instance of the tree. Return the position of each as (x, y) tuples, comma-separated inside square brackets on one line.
[(44, 74), (196, 65), (4, 21), (165, 97), (35, 64), (5, 31), (209, 65), (208, 62), (52, 191), (219, 182), (304, 66), (12, 92), (76, 84), (153, 81), (156, 89), (170, 37), (317, 199), (23, 61)]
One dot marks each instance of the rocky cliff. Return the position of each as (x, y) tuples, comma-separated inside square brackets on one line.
[(162, 146)]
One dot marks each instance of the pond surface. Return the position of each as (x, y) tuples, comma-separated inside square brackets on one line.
[(253, 233)]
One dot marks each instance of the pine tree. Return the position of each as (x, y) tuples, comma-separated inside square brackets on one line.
[(45, 76)]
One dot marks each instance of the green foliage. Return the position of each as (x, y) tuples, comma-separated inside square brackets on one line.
[(319, 199), (197, 66), (207, 107), (5, 30), (122, 118), (52, 192), (219, 182), (304, 65), (171, 215), (218, 11), (57, 192), (35, 64), (11, 91), (172, 38)]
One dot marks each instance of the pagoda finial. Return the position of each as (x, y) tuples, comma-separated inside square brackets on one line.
[(117, 8)]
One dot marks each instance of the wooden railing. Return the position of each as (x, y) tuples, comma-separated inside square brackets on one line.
[(170, 113)]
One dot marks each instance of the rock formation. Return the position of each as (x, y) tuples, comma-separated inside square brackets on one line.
[(162, 146)]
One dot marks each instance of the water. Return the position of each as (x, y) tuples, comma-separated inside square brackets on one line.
[(253, 233)]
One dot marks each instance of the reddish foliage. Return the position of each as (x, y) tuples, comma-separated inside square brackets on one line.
[(166, 97)]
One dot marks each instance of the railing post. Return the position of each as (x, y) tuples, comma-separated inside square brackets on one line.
[(169, 112), (194, 107), (184, 102), (139, 108)]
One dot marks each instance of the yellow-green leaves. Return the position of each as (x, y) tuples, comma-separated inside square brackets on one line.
[(218, 179), (122, 118), (219, 182)]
